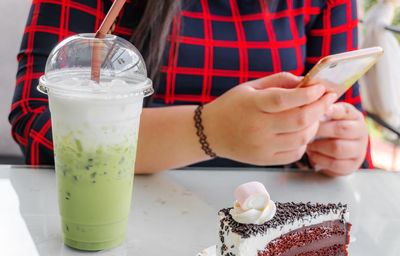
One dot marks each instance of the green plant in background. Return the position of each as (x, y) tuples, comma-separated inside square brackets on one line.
[(367, 4), (396, 21)]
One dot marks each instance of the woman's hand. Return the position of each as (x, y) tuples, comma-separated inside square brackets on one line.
[(266, 121), (343, 144)]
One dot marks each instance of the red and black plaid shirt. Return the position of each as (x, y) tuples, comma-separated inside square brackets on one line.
[(219, 44)]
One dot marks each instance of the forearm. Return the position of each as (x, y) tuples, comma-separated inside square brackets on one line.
[(167, 139)]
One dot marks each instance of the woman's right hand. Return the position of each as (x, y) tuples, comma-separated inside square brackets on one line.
[(265, 121)]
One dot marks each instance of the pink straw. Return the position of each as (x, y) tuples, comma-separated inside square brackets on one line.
[(101, 33)]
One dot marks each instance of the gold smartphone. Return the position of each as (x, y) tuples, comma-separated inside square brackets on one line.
[(339, 72)]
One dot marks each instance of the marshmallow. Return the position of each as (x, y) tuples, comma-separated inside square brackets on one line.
[(252, 195)]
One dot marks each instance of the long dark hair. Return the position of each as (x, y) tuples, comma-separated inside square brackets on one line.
[(151, 32)]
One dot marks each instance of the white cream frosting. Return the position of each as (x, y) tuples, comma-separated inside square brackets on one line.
[(253, 216), (239, 246)]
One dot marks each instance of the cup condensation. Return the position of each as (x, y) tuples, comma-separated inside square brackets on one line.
[(95, 130)]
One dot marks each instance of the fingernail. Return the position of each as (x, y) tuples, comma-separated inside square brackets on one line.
[(317, 137), (324, 118), (319, 89), (330, 110), (332, 98), (318, 168)]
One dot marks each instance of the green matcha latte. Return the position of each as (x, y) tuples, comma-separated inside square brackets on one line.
[(95, 88), (95, 148)]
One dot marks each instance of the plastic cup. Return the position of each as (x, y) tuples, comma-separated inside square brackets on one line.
[(95, 131)]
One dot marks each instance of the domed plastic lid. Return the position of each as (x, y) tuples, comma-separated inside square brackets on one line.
[(68, 68)]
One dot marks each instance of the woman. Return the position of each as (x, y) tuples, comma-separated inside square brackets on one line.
[(197, 52)]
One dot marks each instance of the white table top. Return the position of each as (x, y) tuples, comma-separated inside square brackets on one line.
[(174, 213)]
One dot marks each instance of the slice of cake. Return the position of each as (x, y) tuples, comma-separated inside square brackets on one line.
[(260, 227)]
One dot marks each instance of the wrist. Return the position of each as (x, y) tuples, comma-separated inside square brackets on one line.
[(211, 123), (202, 137)]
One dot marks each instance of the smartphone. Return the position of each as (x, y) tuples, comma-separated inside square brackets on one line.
[(339, 72)]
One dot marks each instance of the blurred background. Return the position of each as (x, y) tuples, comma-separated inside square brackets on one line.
[(380, 87), (13, 15), (379, 25)]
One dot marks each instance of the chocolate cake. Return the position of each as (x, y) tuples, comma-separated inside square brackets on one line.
[(302, 229)]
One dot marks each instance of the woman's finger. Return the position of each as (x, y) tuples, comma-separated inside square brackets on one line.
[(299, 118), (332, 166), (294, 140), (344, 129), (273, 100), (289, 156), (336, 148), (279, 80), (343, 111)]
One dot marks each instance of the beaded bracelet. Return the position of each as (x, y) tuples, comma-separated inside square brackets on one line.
[(200, 132)]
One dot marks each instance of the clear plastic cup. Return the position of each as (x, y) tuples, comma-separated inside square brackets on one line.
[(95, 130)]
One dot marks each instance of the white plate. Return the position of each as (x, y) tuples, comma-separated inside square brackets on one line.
[(210, 251)]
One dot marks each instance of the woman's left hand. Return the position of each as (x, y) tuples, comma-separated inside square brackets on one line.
[(342, 144)]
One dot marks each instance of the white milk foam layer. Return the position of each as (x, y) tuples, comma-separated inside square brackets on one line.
[(112, 83), (94, 121), (116, 85)]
